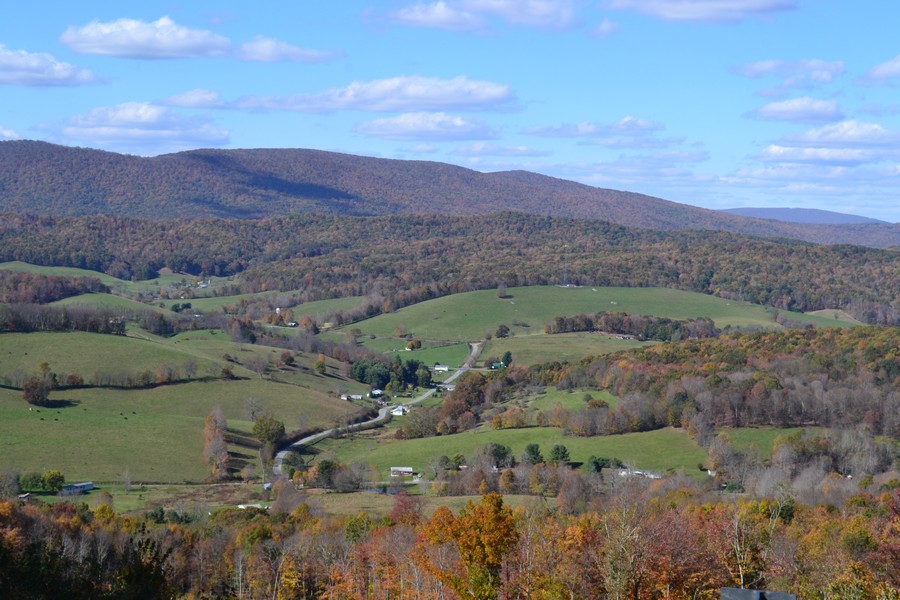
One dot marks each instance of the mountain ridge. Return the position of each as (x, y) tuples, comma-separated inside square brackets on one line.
[(802, 215), (43, 178)]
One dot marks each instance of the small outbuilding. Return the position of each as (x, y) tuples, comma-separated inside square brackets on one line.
[(73, 489)]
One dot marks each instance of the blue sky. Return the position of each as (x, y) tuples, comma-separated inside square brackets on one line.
[(715, 103)]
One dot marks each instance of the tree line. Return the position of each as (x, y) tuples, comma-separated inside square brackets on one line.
[(327, 256), (841, 377), (31, 288), (642, 539), (639, 326)]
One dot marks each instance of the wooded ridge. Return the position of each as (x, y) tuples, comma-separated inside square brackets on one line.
[(406, 259), (46, 179)]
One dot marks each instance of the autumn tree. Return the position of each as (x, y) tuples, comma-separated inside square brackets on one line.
[(53, 480), (215, 450), (268, 430), (36, 391), (483, 534)]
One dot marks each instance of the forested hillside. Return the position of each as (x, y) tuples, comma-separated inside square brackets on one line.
[(45, 179), (404, 259)]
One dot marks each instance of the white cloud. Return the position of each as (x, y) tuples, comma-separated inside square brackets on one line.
[(414, 93), (606, 28), (263, 49), (626, 133), (489, 149), (848, 143), (804, 74), (8, 134), (885, 71), (800, 109), (142, 129), (538, 13), (197, 98), (718, 11), (439, 15), (848, 133), (626, 126), (131, 38), (472, 15), (427, 126), (18, 67), (834, 156)]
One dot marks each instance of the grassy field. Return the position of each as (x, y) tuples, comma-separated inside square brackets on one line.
[(470, 315), (88, 353), (21, 267), (655, 450), (761, 438), (532, 349), (834, 315), (568, 400), (166, 280), (109, 301), (156, 433), (313, 309)]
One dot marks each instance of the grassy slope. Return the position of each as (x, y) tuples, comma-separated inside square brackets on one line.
[(156, 433), (656, 450), (86, 353), (761, 438), (470, 315), (532, 349), (312, 309), (161, 440)]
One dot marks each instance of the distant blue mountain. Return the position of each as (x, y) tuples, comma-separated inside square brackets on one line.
[(803, 215)]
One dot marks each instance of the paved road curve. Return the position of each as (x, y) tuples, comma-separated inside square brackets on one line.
[(474, 350)]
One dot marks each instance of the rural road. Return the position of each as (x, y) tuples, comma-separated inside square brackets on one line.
[(474, 350)]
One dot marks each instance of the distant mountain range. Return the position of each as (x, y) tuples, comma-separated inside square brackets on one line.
[(803, 215), (47, 179)]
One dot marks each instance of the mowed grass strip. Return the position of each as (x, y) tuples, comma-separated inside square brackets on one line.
[(156, 433), (525, 310), (659, 450)]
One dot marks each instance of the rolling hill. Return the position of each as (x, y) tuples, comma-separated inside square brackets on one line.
[(802, 215), (46, 179)]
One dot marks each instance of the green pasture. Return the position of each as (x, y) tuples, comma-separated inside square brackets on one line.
[(315, 309), (760, 438), (452, 355), (22, 267), (154, 287), (156, 433), (834, 316), (109, 301), (472, 315), (88, 353), (659, 450), (529, 349), (570, 400)]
